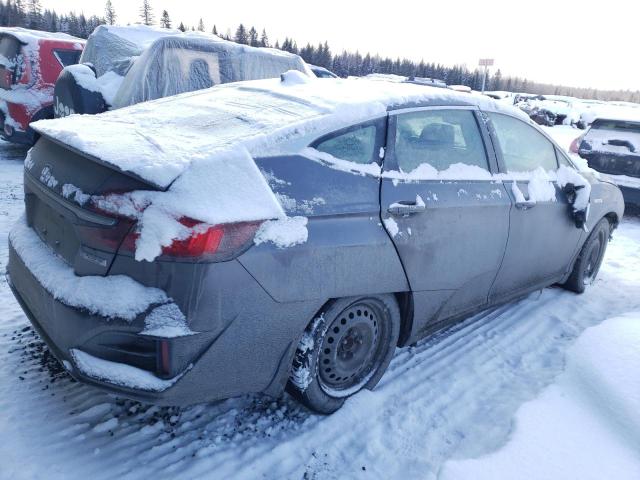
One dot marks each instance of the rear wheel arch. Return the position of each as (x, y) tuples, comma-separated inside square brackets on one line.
[(307, 382), (405, 303)]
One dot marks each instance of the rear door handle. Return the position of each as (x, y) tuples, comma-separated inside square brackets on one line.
[(405, 207), (526, 205)]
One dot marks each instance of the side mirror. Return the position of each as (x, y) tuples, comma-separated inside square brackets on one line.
[(579, 216)]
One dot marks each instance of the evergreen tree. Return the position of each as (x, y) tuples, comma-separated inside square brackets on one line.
[(34, 15), (253, 37), (201, 26), (19, 14), (496, 81), (110, 13), (165, 20), (146, 13), (181, 27), (214, 30), (241, 35), (264, 40)]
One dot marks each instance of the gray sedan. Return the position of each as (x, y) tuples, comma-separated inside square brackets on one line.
[(414, 218)]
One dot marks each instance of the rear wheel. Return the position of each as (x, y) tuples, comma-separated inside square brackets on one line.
[(345, 349), (587, 266)]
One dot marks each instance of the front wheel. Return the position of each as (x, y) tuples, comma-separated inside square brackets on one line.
[(346, 348), (590, 259)]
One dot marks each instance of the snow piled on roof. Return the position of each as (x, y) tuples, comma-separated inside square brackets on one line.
[(31, 37), (141, 35), (115, 296), (158, 140), (200, 145), (585, 425)]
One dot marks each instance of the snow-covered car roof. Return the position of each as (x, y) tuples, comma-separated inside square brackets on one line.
[(111, 48), (30, 37), (193, 61), (200, 146), (157, 140)]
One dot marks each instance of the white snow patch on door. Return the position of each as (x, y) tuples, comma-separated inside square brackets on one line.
[(284, 232)]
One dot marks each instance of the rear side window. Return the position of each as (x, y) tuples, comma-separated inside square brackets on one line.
[(523, 147), (356, 145), (439, 138), (67, 57)]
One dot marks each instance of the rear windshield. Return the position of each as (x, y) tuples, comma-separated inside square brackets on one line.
[(616, 125), (614, 136)]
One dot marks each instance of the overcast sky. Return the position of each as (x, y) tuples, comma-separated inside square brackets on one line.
[(556, 41)]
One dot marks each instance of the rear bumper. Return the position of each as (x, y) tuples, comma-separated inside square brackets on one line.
[(629, 186), (244, 341), (65, 329)]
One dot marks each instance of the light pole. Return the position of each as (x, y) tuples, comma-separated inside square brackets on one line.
[(486, 63)]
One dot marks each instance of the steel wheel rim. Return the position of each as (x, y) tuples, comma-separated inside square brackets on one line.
[(348, 355)]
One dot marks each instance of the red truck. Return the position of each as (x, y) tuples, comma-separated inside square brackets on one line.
[(30, 62)]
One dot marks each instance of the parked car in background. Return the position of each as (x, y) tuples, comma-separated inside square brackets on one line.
[(172, 63), (501, 96), (612, 146), (30, 62), (431, 82), (321, 72), (107, 57), (550, 110), (289, 232)]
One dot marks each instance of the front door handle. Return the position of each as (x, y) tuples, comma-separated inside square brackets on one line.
[(526, 204), (405, 207)]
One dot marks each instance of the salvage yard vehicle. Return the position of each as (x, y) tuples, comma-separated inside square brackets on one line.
[(322, 72), (551, 110), (127, 65), (30, 62), (108, 55), (612, 147), (290, 233)]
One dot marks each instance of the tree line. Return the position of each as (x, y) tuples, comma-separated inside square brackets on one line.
[(30, 14)]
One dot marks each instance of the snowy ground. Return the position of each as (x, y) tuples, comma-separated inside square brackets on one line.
[(490, 398)]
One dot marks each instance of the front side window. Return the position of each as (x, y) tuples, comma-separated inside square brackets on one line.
[(523, 148), (439, 138), (356, 145)]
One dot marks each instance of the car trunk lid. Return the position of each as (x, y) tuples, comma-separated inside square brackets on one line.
[(59, 185)]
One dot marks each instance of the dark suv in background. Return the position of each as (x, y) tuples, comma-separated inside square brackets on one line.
[(612, 147)]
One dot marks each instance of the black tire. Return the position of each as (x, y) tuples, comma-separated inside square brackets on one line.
[(588, 262), (346, 348)]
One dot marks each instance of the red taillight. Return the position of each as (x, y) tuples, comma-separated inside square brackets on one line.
[(217, 242), (575, 145), (203, 240), (6, 78)]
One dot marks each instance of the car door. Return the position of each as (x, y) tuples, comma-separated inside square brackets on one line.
[(543, 237), (447, 218)]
